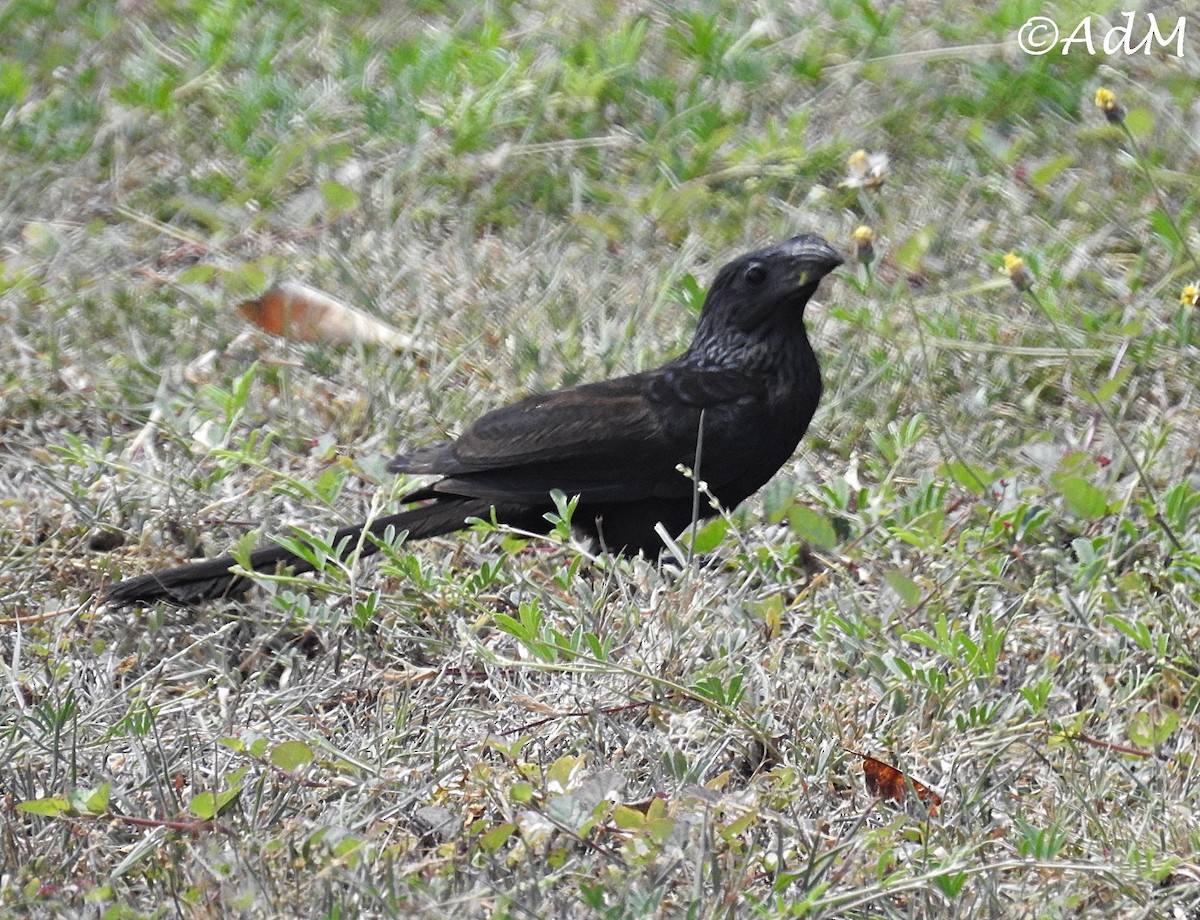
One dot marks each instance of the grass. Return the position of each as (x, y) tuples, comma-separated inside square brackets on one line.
[(983, 565)]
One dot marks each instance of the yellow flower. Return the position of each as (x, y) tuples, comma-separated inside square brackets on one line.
[(1190, 295), (1018, 274), (1106, 101), (865, 170), (864, 244)]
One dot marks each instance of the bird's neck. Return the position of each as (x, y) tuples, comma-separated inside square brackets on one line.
[(775, 347)]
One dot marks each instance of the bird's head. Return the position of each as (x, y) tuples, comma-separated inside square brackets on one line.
[(775, 282)]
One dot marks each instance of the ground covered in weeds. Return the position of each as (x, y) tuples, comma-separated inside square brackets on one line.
[(945, 664)]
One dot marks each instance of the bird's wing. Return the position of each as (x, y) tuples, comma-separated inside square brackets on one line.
[(617, 440)]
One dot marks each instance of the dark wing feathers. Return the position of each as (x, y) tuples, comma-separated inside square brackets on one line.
[(704, 388), (580, 440), (597, 421)]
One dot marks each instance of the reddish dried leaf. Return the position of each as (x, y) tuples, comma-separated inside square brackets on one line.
[(305, 314), (883, 781)]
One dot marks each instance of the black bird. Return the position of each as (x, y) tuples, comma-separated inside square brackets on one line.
[(750, 375)]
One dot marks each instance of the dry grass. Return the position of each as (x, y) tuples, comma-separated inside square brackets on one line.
[(983, 564)]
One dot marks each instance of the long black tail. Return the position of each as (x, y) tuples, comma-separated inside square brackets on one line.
[(199, 581)]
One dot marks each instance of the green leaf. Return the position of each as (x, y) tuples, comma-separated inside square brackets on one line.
[(494, 839), (661, 829), (339, 198), (778, 496), (245, 279), (1163, 226), (564, 510), (709, 536), (291, 755), (1133, 629), (738, 826), (812, 527), (1048, 172), (1140, 122), (510, 625), (950, 883), (1083, 499), (198, 274), (48, 808), (911, 252), (973, 478), (1131, 329), (562, 773), (346, 846), (207, 806), (627, 818), (1109, 388), (1153, 726), (14, 83), (909, 591), (97, 801), (226, 797), (203, 806)]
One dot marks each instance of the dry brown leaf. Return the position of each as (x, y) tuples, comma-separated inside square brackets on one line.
[(883, 781), (304, 314)]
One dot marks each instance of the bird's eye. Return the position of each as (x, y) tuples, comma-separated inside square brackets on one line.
[(756, 274)]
